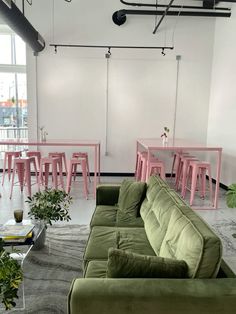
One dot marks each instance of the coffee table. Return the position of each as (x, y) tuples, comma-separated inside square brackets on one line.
[(20, 250)]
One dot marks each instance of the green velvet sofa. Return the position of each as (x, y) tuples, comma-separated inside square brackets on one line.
[(166, 227)]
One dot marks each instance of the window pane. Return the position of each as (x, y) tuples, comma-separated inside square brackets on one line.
[(7, 99), (13, 104), (20, 51), (5, 51), (22, 99)]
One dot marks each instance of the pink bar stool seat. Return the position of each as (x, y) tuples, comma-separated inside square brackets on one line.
[(157, 167), (56, 165), (200, 169), (74, 162), (82, 155), (22, 168), (37, 156), (8, 158), (62, 157)]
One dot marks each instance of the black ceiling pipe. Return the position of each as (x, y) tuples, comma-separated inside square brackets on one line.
[(119, 17), (20, 25), (178, 6)]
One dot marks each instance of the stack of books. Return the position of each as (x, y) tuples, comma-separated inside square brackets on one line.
[(16, 233)]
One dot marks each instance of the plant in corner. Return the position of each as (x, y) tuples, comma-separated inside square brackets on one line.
[(49, 205), (11, 277), (231, 196)]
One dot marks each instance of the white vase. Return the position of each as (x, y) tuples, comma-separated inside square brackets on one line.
[(164, 141)]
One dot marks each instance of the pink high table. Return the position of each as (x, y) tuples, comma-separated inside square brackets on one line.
[(181, 145), (64, 143)]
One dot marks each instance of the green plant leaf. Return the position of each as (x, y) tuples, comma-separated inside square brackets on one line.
[(231, 196)]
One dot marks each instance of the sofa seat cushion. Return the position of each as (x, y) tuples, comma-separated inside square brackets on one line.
[(124, 264), (96, 269), (155, 184), (103, 238), (157, 219), (189, 238), (110, 216), (104, 215)]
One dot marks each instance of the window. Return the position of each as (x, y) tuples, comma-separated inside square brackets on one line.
[(13, 92)]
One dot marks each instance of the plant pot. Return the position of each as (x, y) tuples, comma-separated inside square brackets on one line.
[(40, 229)]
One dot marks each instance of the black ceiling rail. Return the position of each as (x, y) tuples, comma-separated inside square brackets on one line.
[(109, 46), (163, 16), (19, 23), (119, 17), (174, 6)]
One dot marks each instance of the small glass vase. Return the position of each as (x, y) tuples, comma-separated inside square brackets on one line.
[(164, 140)]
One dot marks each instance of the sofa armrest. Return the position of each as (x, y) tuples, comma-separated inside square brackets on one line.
[(152, 296), (107, 194)]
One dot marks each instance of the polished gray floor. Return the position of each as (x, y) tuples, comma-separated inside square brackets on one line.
[(223, 220)]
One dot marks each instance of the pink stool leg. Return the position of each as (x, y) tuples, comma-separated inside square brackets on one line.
[(61, 175), (144, 169), (193, 184), (46, 174), (87, 164), (20, 171), (84, 173), (9, 165), (12, 180), (69, 177), (28, 177), (210, 185), (54, 173)]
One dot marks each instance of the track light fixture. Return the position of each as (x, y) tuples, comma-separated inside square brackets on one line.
[(108, 54), (163, 52)]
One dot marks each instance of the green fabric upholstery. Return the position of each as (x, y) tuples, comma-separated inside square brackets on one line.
[(157, 219), (123, 264), (107, 194), (152, 296), (155, 183), (191, 239), (103, 238), (96, 269), (104, 215), (130, 198)]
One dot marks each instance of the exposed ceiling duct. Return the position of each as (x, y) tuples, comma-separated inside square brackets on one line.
[(15, 19), (207, 8)]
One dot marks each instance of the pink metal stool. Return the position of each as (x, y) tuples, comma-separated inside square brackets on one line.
[(139, 164), (8, 163), (62, 157), (37, 156), (199, 169), (74, 162), (22, 168), (176, 162), (56, 164), (182, 171), (80, 155), (157, 167)]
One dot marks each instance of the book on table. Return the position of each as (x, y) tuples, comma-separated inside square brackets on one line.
[(16, 233)]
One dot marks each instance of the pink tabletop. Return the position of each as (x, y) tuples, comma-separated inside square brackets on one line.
[(177, 144)]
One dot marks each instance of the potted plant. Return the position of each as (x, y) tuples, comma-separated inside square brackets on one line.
[(231, 196), (164, 135), (48, 206), (11, 277)]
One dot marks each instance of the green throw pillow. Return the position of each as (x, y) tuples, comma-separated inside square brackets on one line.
[(124, 264), (131, 196)]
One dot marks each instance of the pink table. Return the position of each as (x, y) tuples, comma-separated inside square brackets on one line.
[(64, 143), (181, 145)]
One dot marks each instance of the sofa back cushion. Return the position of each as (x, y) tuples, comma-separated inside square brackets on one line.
[(189, 238), (154, 185), (130, 198), (156, 220)]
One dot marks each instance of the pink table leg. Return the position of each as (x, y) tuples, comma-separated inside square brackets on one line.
[(95, 169), (148, 164), (99, 162), (218, 170)]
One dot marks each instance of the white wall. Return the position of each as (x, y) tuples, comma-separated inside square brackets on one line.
[(72, 83), (222, 112)]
